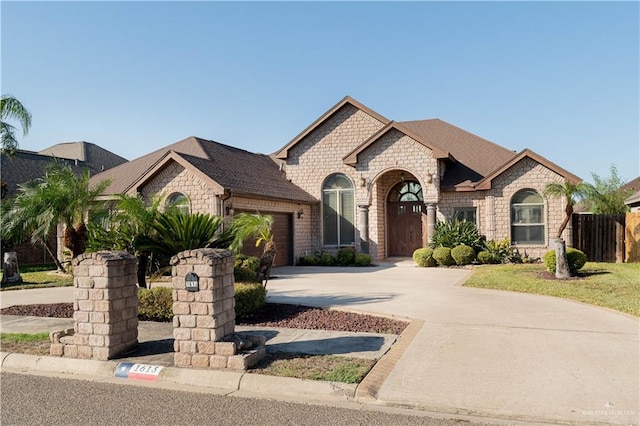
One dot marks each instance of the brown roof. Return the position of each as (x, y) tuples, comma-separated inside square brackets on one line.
[(475, 157), (98, 158), (221, 165), (347, 100)]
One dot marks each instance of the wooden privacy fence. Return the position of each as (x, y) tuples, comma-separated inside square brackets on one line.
[(632, 237), (600, 237)]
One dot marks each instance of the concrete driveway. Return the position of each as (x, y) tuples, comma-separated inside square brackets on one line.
[(486, 352)]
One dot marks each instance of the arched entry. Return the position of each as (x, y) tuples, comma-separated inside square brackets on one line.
[(405, 204)]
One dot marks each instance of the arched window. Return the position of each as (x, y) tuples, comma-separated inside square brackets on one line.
[(406, 191), (338, 211), (179, 201), (527, 218)]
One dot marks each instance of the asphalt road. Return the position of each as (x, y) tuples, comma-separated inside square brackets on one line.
[(38, 400)]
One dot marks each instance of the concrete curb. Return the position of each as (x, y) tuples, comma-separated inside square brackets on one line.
[(227, 381)]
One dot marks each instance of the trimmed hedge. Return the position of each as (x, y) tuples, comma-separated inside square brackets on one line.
[(463, 254), (155, 304), (249, 298), (346, 256), (362, 259), (424, 257), (487, 258), (575, 258), (442, 255)]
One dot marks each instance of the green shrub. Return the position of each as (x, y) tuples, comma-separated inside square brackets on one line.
[(442, 255), (454, 232), (307, 261), (244, 275), (424, 257), (575, 257), (327, 259), (249, 298), (346, 256), (486, 257), (463, 254), (362, 259), (250, 262), (499, 249), (155, 304)]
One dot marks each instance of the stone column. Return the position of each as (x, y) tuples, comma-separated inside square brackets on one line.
[(204, 313), (431, 220), (363, 227), (105, 308)]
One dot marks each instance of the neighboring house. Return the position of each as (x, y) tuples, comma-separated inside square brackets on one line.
[(354, 178), (25, 166)]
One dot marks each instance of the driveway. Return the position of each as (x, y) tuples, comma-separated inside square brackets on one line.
[(487, 352)]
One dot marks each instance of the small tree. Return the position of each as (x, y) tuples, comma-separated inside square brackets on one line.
[(572, 192), (258, 226), (58, 197), (607, 195)]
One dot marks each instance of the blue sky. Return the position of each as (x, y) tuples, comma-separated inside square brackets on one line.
[(560, 78)]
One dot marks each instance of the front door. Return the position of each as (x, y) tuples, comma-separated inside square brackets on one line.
[(404, 219)]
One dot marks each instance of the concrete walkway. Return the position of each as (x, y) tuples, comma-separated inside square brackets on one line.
[(486, 352)]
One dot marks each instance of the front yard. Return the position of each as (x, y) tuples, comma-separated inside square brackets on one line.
[(612, 285)]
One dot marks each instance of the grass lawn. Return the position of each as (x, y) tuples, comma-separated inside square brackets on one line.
[(39, 277), (612, 285), (24, 343)]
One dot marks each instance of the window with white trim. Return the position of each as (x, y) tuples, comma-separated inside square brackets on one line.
[(527, 218), (338, 211)]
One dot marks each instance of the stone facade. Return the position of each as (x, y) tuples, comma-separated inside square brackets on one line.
[(394, 156), (203, 318), (176, 179), (105, 308)]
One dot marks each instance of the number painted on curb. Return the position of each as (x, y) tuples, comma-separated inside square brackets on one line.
[(129, 370)]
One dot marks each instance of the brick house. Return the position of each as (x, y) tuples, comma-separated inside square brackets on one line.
[(356, 178)]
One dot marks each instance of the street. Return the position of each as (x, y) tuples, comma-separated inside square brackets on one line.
[(38, 400)]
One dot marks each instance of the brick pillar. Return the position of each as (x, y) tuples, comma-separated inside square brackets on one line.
[(206, 315), (105, 307)]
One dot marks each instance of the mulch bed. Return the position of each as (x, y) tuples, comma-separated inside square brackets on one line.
[(272, 315)]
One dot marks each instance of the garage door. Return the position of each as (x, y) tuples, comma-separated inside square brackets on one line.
[(283, 237)]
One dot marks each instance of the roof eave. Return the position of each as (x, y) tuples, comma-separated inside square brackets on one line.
[(485, 183)]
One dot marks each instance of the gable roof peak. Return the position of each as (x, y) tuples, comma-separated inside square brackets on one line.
[(283, 153)]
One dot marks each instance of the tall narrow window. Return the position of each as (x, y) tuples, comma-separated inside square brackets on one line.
[(338, 211), (527, 218)]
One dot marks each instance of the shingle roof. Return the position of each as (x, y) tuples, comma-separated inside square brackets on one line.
[(25, 165), (97, 158), (235, 169), (475, 157)]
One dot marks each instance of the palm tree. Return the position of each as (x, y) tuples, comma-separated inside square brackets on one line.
[(59, 197), (130, 222), (12, 109), (174, 231), (572, 192), (258, 226)]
